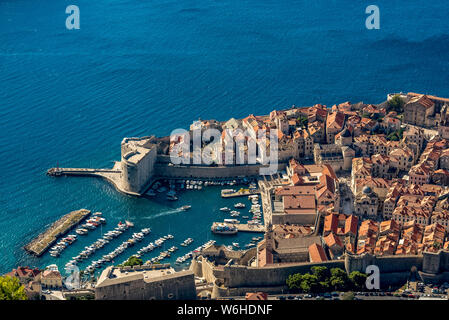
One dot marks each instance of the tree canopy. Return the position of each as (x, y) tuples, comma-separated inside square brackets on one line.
[(133, 261), (396, 103), (11, 289), (321, 279)]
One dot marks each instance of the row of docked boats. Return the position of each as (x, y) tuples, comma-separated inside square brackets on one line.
[(56, 250), (253, 242), (92, 223), (186, 242), (99, 243), (255, 210), (190, 254), (193, 185), (153, 245), (137, 236), (237, 206)]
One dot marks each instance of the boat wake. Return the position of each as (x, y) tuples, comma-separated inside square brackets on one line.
[(163, 213)]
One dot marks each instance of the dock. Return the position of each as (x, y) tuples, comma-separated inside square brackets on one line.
[(43, 241), (244, 227), (56, 172), (239, 193)]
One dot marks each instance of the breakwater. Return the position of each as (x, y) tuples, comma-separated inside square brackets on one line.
[(43, 241)]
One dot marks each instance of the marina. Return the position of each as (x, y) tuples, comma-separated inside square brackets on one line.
[(165, 218)]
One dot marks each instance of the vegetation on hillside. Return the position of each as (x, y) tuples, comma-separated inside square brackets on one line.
[(11, 289)]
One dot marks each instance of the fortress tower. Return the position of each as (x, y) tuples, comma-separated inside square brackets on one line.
[(137, 163)]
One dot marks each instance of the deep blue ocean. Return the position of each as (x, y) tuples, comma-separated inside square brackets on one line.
[(140, 67)]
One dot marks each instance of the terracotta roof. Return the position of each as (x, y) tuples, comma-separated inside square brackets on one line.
[(351, 225), (332, 240), (316, 253), (331, 223)]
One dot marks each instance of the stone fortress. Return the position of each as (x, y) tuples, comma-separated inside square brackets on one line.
[(138, 156), (148, 282), (233, 276), (312, 190)]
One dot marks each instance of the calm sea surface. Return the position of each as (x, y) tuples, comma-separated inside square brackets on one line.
[(146, 67)]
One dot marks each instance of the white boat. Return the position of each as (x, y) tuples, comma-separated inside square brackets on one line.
[(225, 209), (236, 244), (233, 221), (239, 205), (185, 208)]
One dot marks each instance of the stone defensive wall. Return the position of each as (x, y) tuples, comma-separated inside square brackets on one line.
[(165, 169), (230, 280)]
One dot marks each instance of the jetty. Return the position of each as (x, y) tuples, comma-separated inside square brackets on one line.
[(56, 172), (239, 193), (43, 241), (244, 227), (112, 175)]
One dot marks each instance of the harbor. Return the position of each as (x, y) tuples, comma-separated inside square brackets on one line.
[(96, 247), (44, 240)]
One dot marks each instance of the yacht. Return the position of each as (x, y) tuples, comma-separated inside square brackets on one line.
[(225, 209), (233, 221), (185, 208), (239, 205)]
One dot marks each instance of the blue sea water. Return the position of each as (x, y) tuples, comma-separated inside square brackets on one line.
[(139, 67)]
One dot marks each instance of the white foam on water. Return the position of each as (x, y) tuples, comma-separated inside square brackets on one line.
[(163, 213)]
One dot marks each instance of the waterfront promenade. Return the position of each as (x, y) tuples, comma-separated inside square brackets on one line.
[(244, 227), (44, 240), (240, 193)]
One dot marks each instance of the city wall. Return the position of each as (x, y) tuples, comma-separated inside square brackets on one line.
[(394, 270), (165, 169)]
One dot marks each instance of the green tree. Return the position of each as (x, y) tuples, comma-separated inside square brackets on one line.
[(303, 121), (339, 279), (358, 279), (294, 281), (322, 273), (396, 103), (310, 283), (133, 261), (11, 289)]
